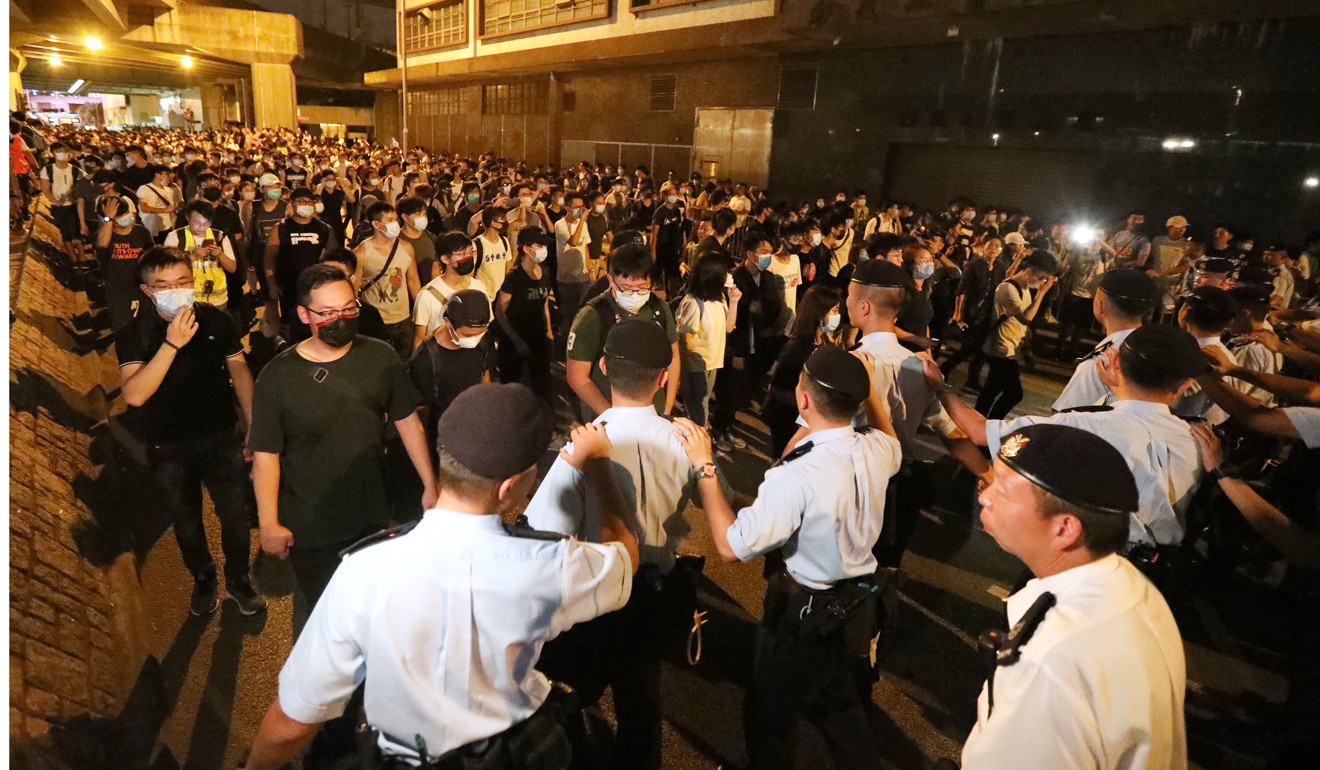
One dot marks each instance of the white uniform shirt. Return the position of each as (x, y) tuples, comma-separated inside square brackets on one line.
[(1306, 421), (826, 508), (449, 621), (1195, 401), (654, 477), (899, 376), (1084, 388), (429, 310), (1100, 684), (1159, 450), (1254, 357)]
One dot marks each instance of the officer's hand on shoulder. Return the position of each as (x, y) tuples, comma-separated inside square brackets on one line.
[(588, 442), (696, 441)]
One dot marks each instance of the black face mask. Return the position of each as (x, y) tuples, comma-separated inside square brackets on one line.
[(465, 266), (211, 194), (338, 333)]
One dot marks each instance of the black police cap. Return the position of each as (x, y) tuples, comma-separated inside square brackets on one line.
[(495, 431), (838, 370), (1050, 455), (1217, 265), (1130, 284), (1167, 349), (882, 274), (642, 342)]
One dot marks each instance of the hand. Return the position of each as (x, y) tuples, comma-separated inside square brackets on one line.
[(735, 294), (696, 441), (1107, 368), (1211, 450), (682, 268), (110, 207), (182, 328), (868, 361), (934, 377), (1154, 273), (739, 363), (429, 495), (588, 442), (1220, 360), (1049, 281), (276, 540), (82, 227), (1267, 338)]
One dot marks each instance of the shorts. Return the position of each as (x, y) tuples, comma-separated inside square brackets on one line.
[(66, 219)]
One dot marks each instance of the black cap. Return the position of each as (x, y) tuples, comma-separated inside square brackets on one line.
[(104, 176), (1050, 455), (301, 192), (837, 369), (495, 431), (1167, 349), (533, 236), (882, 274), (642, 342), (469, 307), (1255, 274), (1217, 265), (1214, 306), (1130, 284)]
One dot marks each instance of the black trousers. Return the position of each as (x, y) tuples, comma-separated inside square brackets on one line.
[(313, 566), (621, 651), (798, 675), (181, 469), (969, 350), (535, 366), (1002, 390)]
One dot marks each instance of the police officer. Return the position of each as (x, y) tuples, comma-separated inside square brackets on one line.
[(1146, 373), (446, 618), (1125, 299), (1092, 674), (655, 477), (817, 515)]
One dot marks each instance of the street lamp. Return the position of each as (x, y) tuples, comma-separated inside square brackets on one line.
[(187, 62), (55, 60), (93, 43)]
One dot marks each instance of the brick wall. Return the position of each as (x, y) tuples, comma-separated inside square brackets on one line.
[(77, 626)]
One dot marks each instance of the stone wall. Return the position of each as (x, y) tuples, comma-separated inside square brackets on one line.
[(77, 625)]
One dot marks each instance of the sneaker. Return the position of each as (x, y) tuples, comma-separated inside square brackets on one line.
[(737, 442), (204, 599), (246, 597), (723, 443)]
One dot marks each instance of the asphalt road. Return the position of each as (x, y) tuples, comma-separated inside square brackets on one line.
[(221, 672)]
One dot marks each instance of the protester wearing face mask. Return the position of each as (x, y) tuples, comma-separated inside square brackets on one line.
[(1014, 310), (788, 266), (369, 195), (817, 323), (706, 315), (120, 241), (317, 434), (332, 198), (211, 250), (455, 356), (629, 296), (413, 217), (522, 309), (598, 224), (390, 280), (295, 244), (182, 368), (915, 317)]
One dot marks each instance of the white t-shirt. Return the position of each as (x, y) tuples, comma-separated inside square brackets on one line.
[(429, 310), (701, 325), (791, 272), (157, 197), (389, 295), (494, 262), (572, 259), (1306, 420), (1010, 332), (61, 184)]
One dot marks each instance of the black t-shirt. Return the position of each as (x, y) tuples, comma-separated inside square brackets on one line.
[(120, 262), (334, 208), (440, 374), (194, 399), (669, 230), (326, 420), (527, 303), (301, 245), (597, 226), (916, 314)]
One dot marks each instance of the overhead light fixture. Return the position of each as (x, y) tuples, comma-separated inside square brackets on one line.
[(186, 61), (1177, 144), (79, 83), (55, 60), (1312, 182), (93, 43)]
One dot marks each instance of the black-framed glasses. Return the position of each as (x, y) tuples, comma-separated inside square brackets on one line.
[(335, 315)]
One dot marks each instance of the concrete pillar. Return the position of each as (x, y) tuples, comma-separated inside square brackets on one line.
[(16, 100), (387, 116), (274, 96), (215, 107)]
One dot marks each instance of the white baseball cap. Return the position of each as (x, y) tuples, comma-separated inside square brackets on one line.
[(1177, 221), (1015, 238), (268, 180)]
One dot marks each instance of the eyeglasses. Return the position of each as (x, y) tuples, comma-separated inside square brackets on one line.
[(335, 315), (635, 292)]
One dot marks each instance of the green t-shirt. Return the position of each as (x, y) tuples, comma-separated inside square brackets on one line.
[(327, 429), (586, 340)]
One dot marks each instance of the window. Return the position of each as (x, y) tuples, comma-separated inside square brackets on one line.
[(797, 87), (506, 17), (438, 25), (664, 92), (444, 101), (515, 99)]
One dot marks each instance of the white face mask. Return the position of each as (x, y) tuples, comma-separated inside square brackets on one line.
[(296, 162), (305, 210), (466, 343), (319, 207), (600, 208), (525, 202), (631, 302), (249, 195), (831, 322), (391, 230), (671, 199), (235, 179), (125, 220), (171, 301), (539, 254), (815, 239), (331, 184), (420, 222), (559, 201)]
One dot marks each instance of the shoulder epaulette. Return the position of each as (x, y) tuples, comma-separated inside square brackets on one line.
[(1099, 349), (797, 452), (523, 528), (1087, 408), (379, 537)]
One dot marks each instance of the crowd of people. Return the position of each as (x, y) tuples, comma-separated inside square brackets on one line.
[(391, 288)]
